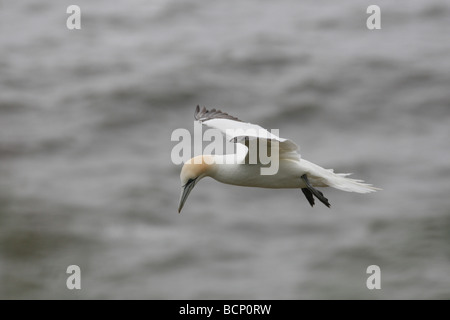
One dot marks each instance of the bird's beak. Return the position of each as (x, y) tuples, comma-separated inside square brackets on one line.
[(186, 189)]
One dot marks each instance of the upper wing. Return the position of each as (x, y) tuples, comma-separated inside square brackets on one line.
[(240, 132)]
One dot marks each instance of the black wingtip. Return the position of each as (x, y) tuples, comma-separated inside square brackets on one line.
[(205, 115)]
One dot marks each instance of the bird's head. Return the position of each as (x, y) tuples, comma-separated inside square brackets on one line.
[(192, 172)]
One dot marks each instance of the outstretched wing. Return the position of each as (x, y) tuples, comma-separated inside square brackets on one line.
[(241, 132)]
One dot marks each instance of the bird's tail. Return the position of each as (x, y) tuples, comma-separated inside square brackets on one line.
[(321, 177), (341, 182)]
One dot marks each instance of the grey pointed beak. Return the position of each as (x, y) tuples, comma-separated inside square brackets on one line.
[(186, 189)]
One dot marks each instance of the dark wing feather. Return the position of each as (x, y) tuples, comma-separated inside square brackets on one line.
[(205, 115)]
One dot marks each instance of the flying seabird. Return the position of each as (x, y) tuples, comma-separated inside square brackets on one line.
[(236, 169)]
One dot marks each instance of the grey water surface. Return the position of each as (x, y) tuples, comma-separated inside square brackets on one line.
[(86, 176)]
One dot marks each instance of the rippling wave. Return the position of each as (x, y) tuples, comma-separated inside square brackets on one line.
[(85, 171)]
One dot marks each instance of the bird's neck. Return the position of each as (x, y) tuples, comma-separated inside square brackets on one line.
[(224, 168), (230, 172)]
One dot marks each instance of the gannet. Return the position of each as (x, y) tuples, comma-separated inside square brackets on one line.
[(293, 171)]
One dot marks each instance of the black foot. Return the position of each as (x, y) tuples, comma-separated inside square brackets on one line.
[(310, 190), (309, 196)]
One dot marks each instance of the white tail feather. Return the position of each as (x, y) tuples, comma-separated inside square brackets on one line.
[(321, 177), (341, 182)]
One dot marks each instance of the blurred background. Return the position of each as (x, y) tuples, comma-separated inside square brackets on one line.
[(86, 177)]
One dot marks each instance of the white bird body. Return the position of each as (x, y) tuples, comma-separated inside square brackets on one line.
[(248, 175), (234, 169)]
